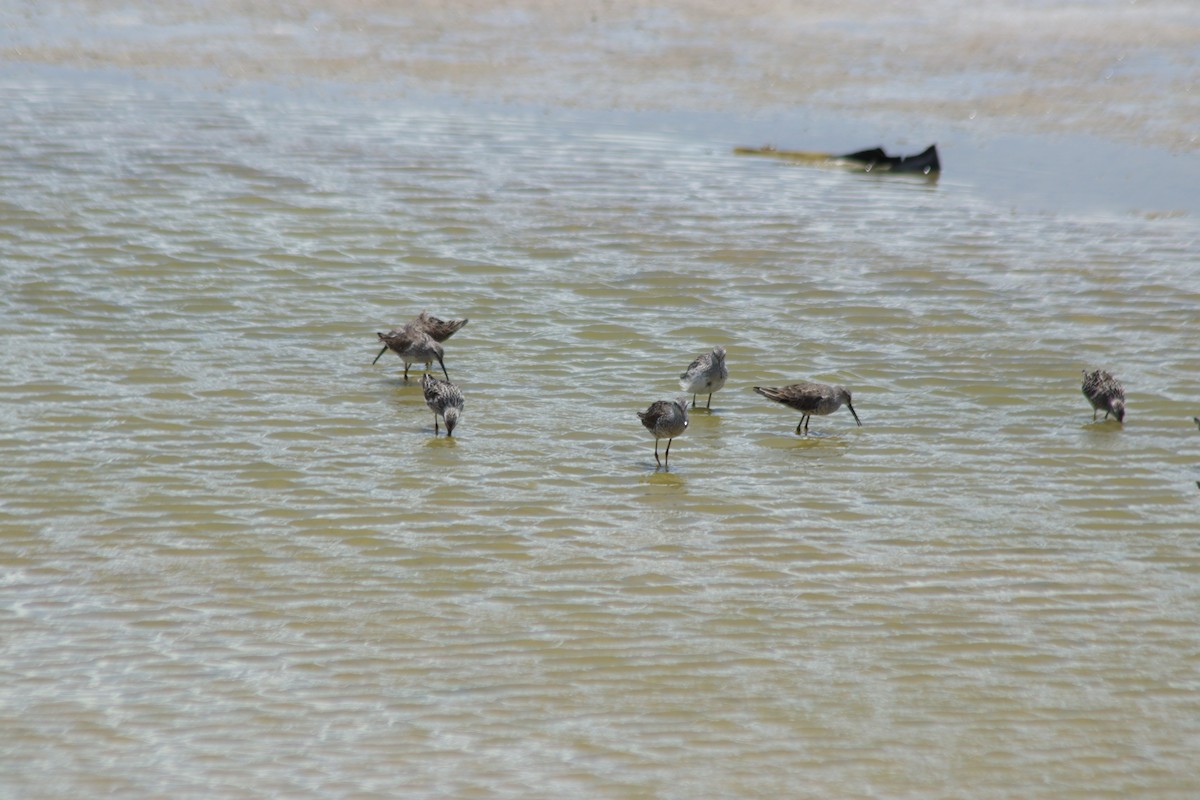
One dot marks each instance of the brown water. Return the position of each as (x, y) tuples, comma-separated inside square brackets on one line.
[(235, 561)]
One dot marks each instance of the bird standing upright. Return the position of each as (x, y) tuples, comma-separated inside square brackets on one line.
[(666, 419), (706, 374)]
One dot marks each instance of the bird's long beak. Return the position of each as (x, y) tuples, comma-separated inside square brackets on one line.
[(381, 352), (443, 365), (856, 419)]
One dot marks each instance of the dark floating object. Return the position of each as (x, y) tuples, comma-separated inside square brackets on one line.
[(874, 160)]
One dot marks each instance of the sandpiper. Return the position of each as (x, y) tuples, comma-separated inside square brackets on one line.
[(810, 398), (438, 329), (1105, 393), (666, 419), (414, 346), (443, 398), (706, 374)]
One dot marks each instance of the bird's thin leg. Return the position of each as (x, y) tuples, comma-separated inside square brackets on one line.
[(799, 425), (709, 405), (694, 400), (667, 457), (807, 417), (435, 425), (656, 461), (1094, 414), (405, 370)]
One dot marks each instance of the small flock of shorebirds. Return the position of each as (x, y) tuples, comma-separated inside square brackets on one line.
[(419, 341)]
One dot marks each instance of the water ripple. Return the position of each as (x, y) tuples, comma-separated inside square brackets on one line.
[(235, 559)]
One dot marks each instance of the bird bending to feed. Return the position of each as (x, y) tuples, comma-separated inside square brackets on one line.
[(414, 346), (706, 374), (1105, 393), (810, 398), (443, 398), (438, 329), (666, 419)]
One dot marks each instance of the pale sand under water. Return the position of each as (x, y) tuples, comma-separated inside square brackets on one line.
[(1123, 70), (236, 562)]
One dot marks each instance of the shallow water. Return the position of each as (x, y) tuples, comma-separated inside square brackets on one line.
[(237, 562)]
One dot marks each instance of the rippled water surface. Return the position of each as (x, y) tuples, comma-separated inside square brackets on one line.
[(236, 561)]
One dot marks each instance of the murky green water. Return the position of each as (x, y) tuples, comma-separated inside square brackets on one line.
[(236, 562)]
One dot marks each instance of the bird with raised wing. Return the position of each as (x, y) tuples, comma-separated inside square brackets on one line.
[(414, 346), (438, 329)]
